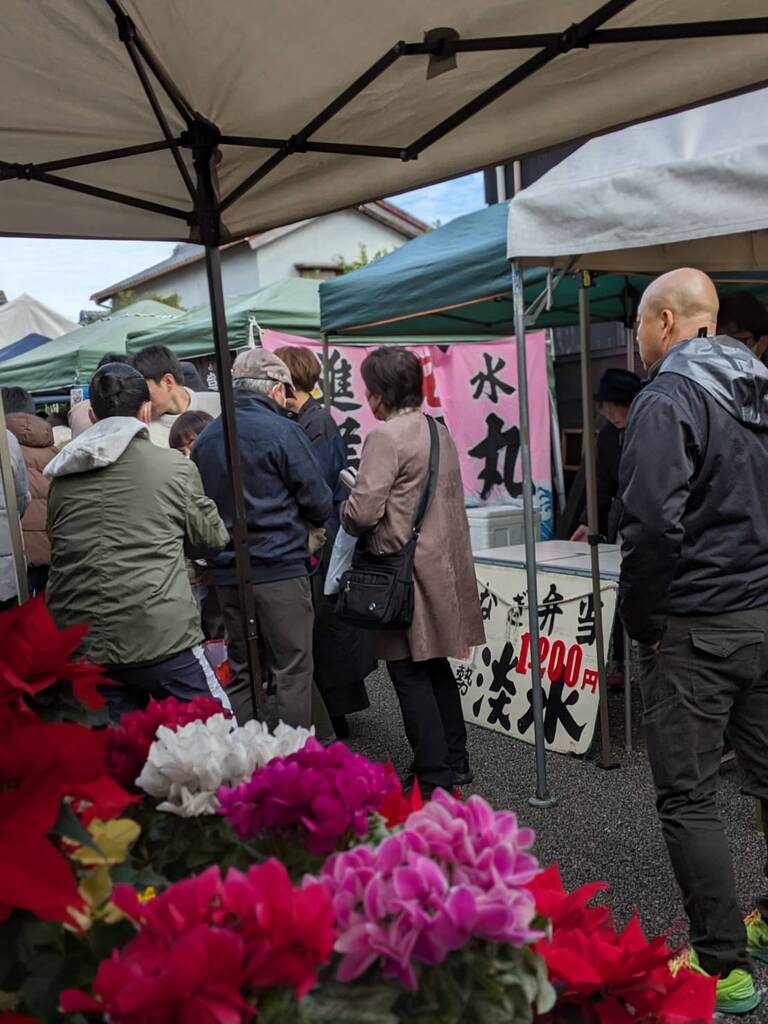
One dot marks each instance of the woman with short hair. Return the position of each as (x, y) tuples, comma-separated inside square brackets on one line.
[(447, 620)]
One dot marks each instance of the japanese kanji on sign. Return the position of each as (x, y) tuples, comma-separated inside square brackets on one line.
[(495, 683), (473, 389)]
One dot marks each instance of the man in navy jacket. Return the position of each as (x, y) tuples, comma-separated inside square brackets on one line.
[(284, 493)]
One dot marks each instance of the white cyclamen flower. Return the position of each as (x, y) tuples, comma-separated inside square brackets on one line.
[(187, 766)]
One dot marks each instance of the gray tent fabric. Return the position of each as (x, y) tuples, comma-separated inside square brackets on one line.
[(68, 88), (688, 189)]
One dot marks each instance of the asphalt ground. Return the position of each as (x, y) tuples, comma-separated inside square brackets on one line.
[(603, 826)]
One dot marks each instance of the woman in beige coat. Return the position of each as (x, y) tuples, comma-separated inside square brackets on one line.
[(447, 620)]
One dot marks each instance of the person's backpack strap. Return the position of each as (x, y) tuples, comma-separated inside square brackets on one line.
[(430, 484)]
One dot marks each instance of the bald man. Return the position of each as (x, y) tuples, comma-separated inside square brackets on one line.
[(694, 592)]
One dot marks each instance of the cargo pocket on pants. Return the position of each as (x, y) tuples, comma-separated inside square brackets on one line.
[(723, 661)]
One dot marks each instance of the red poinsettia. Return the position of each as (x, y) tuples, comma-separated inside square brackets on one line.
[(128, 744), (209, 943), (41, 766), (396, 805), (34, 655), (613, 977)]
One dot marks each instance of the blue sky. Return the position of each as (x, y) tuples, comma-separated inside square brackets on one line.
[(64, 273)]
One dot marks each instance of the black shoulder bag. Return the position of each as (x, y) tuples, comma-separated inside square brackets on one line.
[(377, 592)]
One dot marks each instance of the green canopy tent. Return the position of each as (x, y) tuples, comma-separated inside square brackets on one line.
[(456, 279), (72, 358), (291, 306)]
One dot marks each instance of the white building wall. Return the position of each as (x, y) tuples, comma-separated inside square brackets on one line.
[(322, 241), (317, 243), (240, 274)]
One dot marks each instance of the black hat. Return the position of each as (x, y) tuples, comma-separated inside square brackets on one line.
[(619, 386)]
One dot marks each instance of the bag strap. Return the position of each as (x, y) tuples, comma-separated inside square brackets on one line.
[(430, 484)]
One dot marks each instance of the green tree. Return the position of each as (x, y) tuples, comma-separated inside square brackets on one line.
[(128, 296), (363, 259)]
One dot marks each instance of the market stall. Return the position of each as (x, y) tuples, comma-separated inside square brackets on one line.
[(689, 188)]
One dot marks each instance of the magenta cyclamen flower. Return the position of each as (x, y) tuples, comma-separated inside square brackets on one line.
[(328, 790), (454, 873)]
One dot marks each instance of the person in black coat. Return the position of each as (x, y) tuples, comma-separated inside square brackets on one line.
[(343, 655), (615, 393), (744, 317)]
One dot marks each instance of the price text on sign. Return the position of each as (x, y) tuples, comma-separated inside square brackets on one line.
[(496, 684)]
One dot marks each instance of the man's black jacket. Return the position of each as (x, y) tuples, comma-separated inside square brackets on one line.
[(694, 488)]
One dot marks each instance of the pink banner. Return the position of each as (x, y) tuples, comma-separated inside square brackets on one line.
[(473, 388)]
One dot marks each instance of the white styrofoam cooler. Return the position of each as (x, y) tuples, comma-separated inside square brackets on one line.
[(497, 526)]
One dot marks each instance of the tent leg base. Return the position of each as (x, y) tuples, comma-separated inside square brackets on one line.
[(543, 802), (608, 766)]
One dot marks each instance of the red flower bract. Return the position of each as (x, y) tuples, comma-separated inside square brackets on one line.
[(613, 977), (40, 765), (34, 655), (128, 744), (396, 807), (272, 932)]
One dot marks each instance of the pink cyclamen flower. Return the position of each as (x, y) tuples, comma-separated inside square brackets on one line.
[(326, 791), (456, 872)]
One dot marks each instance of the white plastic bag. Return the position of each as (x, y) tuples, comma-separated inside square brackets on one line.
[(341, 560)]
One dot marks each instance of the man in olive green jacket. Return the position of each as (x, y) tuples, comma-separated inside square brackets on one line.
[(122, 514)]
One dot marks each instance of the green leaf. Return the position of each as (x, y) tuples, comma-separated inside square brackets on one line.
[(69, 825), (354, 1003)]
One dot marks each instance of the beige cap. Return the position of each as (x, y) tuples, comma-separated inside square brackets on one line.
[(259, 364)]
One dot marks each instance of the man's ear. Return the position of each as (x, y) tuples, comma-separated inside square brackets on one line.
[(92, 416), (169, 382)]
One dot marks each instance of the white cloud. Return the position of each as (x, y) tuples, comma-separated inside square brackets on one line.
[(63, 273), (445, 201)]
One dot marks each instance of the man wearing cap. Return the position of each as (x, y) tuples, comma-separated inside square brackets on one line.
[(615, 392), (284, 492)]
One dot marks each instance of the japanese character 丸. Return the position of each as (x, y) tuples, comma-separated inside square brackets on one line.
[(496, 441)]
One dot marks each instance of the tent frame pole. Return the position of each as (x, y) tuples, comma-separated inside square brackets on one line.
[(326, 373), (542, 796), (629, 339), (588, 413), (14, 523), (209, 224)]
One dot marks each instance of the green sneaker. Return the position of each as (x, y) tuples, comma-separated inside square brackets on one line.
[(735, 993), (757, 936)]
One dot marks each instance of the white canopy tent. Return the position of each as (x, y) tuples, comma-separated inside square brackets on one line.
[(686, 190), (184, 119), (26, 324)]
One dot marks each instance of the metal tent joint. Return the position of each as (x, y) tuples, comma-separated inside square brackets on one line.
[(126, 30), (575, 37), (24, 172)]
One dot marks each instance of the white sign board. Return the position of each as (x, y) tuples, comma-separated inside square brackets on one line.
[(495, 684)]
